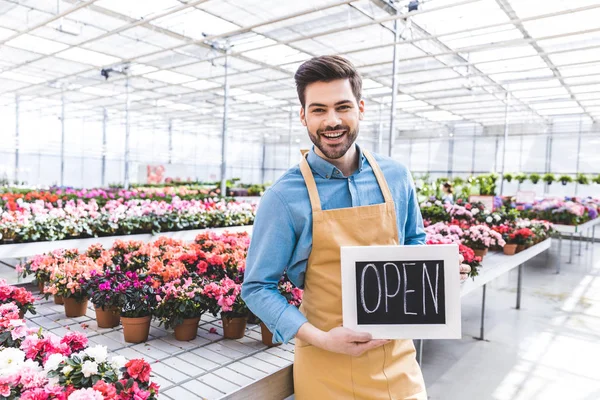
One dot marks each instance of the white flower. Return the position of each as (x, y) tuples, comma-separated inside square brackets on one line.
[(475, 211), (53, 362), (89, 368), (486, 212), (53, 382), (438, 203), (118, 362), (488, 220), (10, 360), (67, 370), (428, 204), (497, 217), (86, 394), (98, 353)]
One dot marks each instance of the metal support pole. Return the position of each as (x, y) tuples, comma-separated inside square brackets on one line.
[(103, 168), (578, 154), (587, 240), (380, 129), (290, 137), (127, 134), (450, 156), (473, 154), (62, 142), (17, 144), (507, 98), (580, 242), (482, 326), (559, 253), (519, 286), (394, 86), (421, 351), (224, 131), (263, 161), (571, 250), (170, 141)]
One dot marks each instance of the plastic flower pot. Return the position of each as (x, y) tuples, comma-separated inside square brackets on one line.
[(136, 330), (234, 328), (267, 336), (75, 308), (187, 330), (510, 249), (108, 318), (480, 252), (58, 299)]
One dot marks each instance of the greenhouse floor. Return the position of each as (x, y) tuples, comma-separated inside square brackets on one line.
[(549, 349)]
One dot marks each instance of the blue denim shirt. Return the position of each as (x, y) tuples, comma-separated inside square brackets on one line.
[(282, 233)]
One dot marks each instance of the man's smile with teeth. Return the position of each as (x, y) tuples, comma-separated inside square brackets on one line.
[(334, 134)]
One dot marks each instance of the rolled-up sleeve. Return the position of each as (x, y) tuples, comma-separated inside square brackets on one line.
[(273, 243), (414, 232)]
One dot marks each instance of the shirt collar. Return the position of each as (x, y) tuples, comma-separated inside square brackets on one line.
[(327, 170)]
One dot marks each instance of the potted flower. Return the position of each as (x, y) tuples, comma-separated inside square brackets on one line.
[(19, 296), (106, 292), (139, 300), (65, 281), (468, 257), (224, 296), (549, 178), (480, 238), (508, 177), (520, 177), (564, 179), (293, 295), (582, 179), (521, 237), (510, 248), (180, 305), (534, 178)]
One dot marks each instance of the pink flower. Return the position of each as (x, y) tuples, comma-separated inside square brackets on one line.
[(86, 394), (76, 341), (34, 394)]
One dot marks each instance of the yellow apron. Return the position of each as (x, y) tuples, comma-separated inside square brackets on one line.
[(387, 372)]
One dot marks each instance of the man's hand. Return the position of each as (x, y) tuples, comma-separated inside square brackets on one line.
[(464, 268), (339, 340), (346, 341)]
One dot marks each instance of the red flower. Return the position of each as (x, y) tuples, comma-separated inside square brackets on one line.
[(468, 206), (138, 369), (202, 267), (108, 391), (75, 340)]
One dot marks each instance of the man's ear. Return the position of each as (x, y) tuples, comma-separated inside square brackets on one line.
[(302, 116), (361, 109)]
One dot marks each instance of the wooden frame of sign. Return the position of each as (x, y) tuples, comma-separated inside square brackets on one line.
[(402, 292)]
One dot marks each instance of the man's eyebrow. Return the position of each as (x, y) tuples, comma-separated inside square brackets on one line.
[(323, 105)]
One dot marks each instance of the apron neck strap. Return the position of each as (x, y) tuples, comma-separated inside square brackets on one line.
[(385, 190), (311, 185)]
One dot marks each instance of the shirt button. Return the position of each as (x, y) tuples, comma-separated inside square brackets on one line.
[(327, 176), (337, 172)]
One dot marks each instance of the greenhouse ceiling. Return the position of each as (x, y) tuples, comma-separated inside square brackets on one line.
[(460, 63)]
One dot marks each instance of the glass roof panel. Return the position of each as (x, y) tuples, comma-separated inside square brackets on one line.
[(36, 44), (85, 56)]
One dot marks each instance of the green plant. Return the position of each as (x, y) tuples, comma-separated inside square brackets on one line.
[(487, 184), (458, 181), (596, 179), (508, 176), (520, 177), (534, 178), (549, 178), (564, 179), (582, 179)]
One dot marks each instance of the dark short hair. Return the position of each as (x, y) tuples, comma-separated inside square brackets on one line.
[(327, 69)]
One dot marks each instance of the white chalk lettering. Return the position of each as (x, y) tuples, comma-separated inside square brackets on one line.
[(434, 295), (386, 284), (406, 287), (362, 289)]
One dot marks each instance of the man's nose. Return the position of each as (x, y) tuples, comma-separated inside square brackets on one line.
[(332, 119)]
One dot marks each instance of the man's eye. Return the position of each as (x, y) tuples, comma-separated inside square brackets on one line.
[(318, 110), (343, 108)]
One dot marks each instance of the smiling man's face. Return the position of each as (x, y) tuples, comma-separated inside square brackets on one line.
[(332, 115)]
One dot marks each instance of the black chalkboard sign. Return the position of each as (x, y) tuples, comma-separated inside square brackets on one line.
[(400, 292)]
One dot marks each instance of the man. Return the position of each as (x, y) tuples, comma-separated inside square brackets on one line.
[(338, 195)]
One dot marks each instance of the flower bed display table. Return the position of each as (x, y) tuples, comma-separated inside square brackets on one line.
[(571, 231), (23, 250)]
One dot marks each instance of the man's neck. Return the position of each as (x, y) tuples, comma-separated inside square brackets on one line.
[(347, 164)]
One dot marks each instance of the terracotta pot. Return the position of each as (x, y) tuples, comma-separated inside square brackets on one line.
[(108, 318), (267, 336), (41, 287), (74, 308), (510, 249), (520, 248), (234, 328), (187, 330), (480, 252), (136, 330), (58, 299)]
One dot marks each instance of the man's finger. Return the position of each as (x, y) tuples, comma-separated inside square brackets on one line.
[(360, 336), (371, 345)]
